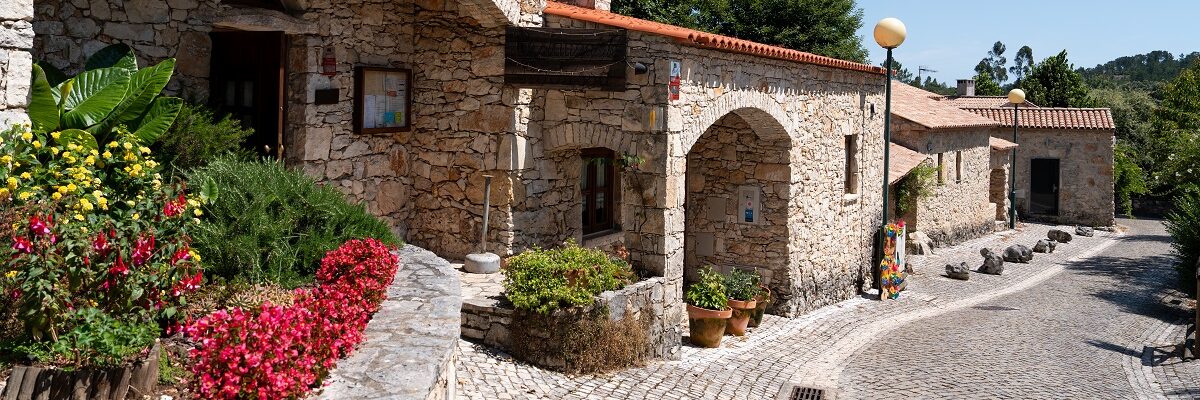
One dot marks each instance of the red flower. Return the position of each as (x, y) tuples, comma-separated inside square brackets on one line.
[(176, 207), (22, 244), (142, 249), (119, 268), (100, 245), (39, 227), (181, 255)]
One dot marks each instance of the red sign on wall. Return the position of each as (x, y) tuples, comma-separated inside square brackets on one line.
[(676, 82)]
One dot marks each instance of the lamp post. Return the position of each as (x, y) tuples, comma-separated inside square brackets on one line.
[(1016, 97), (889, 34)]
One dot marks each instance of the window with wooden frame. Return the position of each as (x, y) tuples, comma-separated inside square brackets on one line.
[(958, 167), (597, 187), (851, 164)]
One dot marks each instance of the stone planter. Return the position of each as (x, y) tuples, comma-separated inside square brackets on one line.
[(760, 307), (740, 318), (706, 327), (133, 381)]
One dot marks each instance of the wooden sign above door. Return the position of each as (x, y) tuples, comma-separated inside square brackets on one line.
[(566, 58)]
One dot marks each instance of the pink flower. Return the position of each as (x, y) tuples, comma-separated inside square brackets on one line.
[(38, 226), (119, 268), (100, 244), (142, 248), (22, 244)]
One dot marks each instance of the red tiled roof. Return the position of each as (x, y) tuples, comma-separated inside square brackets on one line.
[(1001, 144), (1052, 118), (982, 102), (920, 107), (696, 38), (902, 162)]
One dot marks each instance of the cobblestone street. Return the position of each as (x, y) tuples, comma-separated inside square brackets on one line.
[(1092, 320)]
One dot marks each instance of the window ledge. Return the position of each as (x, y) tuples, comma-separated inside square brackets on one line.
[(851, 198), (603, 238)]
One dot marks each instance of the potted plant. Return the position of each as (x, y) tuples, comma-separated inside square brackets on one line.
[(741, 287), (761, 301), (707, 309)]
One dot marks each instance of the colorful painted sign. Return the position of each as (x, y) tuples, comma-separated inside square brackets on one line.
[(676, 82), (891, 269)]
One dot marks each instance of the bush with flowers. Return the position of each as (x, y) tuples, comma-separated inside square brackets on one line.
[(90, 232), (277, 352)]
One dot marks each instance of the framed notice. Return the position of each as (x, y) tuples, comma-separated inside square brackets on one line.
[(382, 100)]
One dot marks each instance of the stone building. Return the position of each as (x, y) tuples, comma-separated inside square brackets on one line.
[(960, 146), (704, 150), (16, 63)]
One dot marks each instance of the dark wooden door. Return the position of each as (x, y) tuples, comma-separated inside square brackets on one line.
[(247, 83), (596, 184), (1043, 186)]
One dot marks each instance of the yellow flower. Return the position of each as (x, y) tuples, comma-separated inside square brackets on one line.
[(90, 160), (12, 182), (144, 149), (79, 217), (193, 203), (56, 196), (3, 193), (25, 195), (5, 159), (197, 212), (107, 154), (194, 254), (71, 187), (103, 202), (27, 136), (130, 203), (128, 146), (136, 216), (37, 144), (195, 220), (26, 175), (11, 274), (83, 229), (85, 204), (55, 135)]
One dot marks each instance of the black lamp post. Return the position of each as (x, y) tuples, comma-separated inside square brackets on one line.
[(1016, 97)]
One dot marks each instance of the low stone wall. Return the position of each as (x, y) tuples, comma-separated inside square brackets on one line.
[(409, 348), (492, 323)]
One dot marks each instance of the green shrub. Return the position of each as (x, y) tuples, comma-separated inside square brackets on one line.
[(267, 223), (542, 281), (198, 137), (709, 292), (97, 340), (1183, 223), (918, 184), (741, 285)]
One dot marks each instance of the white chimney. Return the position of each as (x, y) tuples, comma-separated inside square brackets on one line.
[(966, 87)]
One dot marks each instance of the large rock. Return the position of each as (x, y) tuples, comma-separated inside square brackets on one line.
[(960, 271), (1085, 231), (1060, 236), (992, 264), (919, 243), (1045, 246), (1018, 253)]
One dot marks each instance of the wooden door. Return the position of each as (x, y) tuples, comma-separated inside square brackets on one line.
[(247, 83), (1043, 186)]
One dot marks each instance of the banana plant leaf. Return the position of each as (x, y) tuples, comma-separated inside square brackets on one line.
[(43, 110), (92, 96), (144, 86), (158, 119), (117, 55), (77, 136), (53, 75)]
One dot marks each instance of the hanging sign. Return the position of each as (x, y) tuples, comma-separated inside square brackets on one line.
[(328, 62), (676, 82), (566, 58), (891, 269)]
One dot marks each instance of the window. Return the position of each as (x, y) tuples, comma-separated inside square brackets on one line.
[(596, 186), (851, 164), (958, 167), (941, 168)]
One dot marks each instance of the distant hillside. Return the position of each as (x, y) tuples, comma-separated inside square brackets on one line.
[(1143, 71)]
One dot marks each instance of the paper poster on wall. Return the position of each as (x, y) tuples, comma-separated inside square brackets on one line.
[(676, 82), (748, 203), (382, 100)]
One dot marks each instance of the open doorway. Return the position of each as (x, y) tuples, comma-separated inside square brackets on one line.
[(1043, 186), (247, 83)]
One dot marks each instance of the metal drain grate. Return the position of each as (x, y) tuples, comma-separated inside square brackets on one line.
[(807, 393), (995, 308)]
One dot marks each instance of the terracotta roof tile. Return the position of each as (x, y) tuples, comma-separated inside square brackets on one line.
[(982, 102), (921, 107), (902, 162), (1001, 144), (1052, 118), (696, 38)]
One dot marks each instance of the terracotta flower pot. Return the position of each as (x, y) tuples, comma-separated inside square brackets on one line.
[(760, 308), (706, 326), (736, 324)]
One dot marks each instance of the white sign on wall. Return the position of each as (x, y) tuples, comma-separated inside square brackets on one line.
[(749, 204)]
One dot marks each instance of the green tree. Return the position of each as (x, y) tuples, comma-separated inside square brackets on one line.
[(1176, 140), (1055, 83), (1022, 64), (901, 74), (825, 27), (994, 63), (986, 86)]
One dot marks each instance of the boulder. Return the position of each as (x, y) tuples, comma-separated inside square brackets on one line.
[(960, 271), (1045, 246), (919, 243), (1085, 231), (992, 264), (1060, 236), (1018, 253)]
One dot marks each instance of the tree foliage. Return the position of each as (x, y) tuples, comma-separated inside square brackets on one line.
[(986, 86), (1142, 71), (1055, 83), (825, 27), (1176, 130), (994, 63), (1022, 64)]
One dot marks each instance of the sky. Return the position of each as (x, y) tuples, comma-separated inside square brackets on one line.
[(952, 36)]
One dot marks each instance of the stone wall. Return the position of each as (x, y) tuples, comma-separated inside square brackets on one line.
[(409, 350), (16, 38), (1085, 173), (960, 208), (493, 324), (1000, 178)]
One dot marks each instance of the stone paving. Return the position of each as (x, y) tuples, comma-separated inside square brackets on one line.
[(1089, 320)]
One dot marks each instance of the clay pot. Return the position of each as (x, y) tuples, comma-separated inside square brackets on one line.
[(706, 326), (736, 324), (760, 308)]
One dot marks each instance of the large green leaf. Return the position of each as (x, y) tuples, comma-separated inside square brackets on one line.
[(144, 85), (93, 95), (117, 55), (158, 119), (78, 137), (53, 74), (43, 110)]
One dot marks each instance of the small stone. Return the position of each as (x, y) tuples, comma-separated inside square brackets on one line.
[(1018, 253), (1060, 236), (919, 243), (1045, 246), (1085, 231), (992, 264), (960, 271)]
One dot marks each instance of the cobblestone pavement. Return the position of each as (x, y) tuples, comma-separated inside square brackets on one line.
[(1087, 323)]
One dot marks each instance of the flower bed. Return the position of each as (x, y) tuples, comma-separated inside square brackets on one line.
[(282, 352)]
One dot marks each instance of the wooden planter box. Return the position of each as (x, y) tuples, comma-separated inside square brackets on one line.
[(36, 383)]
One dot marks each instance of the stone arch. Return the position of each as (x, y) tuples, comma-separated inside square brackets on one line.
[(494, 13), (762, 112), (584, 135)]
